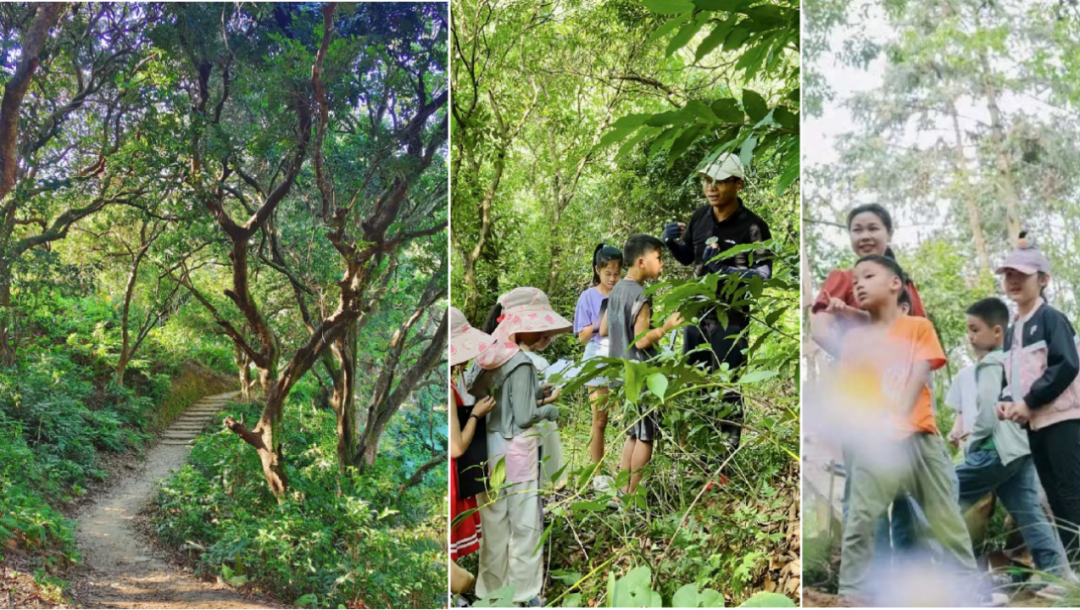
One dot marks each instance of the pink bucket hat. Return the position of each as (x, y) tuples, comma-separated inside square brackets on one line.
[(466, 342), (525, 310)]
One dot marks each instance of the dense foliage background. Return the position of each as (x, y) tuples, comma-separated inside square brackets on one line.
[(576, 123), (257, 194)]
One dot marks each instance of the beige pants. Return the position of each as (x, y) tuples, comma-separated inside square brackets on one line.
[(512, 529)]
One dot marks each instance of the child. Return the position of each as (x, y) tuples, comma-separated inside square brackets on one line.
[(629, 314), (835, 310), (551, 453), (895, 355), (997, 458), (606, 268), (466, 343), (511, 550), (1043, 392)]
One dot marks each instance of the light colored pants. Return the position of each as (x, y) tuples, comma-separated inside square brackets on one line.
[(552, 454), (928, 476), (512, 529)]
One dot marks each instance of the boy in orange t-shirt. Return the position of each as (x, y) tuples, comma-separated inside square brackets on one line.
[(885, 369)]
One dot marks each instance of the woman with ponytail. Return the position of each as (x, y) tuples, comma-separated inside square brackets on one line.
[(606, 269)]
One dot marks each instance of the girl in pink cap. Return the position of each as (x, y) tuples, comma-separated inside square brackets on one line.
[(1043, 392), (510, 551), (466, 343)]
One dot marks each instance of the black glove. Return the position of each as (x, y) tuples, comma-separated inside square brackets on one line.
[(672, 232)]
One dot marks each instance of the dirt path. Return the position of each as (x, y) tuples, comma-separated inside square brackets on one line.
[(122, 571)]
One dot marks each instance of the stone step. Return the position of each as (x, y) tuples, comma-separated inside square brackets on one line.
[(171, 443), (193, 421), (181, 435), (185, 429)]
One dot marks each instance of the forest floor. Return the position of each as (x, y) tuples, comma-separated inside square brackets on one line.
[(120, 568)]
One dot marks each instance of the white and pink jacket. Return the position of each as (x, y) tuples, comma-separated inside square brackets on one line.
[(1043, 366)]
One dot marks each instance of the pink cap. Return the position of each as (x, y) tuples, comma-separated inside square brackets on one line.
[(1026, 259)]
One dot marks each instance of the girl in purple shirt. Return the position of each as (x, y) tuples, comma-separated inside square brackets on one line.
[(606, 267)]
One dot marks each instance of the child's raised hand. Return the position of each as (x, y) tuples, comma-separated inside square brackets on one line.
[(556, 391), (674, 320), (483, 406)]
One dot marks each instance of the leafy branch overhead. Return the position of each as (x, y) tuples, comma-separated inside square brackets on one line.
[(765, 39)]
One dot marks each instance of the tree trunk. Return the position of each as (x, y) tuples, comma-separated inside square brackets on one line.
[(1001, 157), (243, 368), (343, 399), (968, 195), (7, 347), (261, 438)]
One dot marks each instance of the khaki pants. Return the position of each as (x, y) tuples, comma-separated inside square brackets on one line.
[(512, 529), (926, 474)]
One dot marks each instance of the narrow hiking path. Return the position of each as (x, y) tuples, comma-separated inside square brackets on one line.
[(121, 570)]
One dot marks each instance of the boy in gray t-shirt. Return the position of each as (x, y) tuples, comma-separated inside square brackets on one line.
[(628, 315)]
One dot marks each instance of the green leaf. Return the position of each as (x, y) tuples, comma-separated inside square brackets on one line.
[(768, 600), (632, 381), (728, 111), (588, 506), (622, 479), (587, 474), (658, 385), (688, 597), (774, 316), (668, 7), (572, 601), (683, 36), (700, 111), (566, 577), (736, 38), (543, 538), (791, 173), (309, 600), (683, 142), (642, 133), (616, 134), (669, 26), (786, 118), (502, 598), (755, 105), (756, 376), (720, 5), (498, 473), (746, 153), (714, 39), (671, 117)]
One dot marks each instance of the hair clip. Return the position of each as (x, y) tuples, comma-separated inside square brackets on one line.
[(500, 318)]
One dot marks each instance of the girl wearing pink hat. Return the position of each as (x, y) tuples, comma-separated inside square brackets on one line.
[(1042, 371), (466, 343), (512, 516)]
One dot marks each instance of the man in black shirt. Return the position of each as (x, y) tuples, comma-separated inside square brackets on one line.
[(714, 228)]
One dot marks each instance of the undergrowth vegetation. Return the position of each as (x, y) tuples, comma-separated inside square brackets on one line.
[(323, 545), (62, 415)]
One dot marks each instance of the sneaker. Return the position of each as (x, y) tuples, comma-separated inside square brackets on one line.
[(535, 602), (994, 600), (1052, 592), (602, 483)]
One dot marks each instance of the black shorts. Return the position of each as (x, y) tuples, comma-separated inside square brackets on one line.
[(644, 428)]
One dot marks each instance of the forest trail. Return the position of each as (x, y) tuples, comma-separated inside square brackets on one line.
[(121, 569)]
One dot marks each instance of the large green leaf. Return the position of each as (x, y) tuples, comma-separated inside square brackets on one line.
[(684, 35), (668, 7), (669, 26), (658, 385), (755, 105), (715, 38)]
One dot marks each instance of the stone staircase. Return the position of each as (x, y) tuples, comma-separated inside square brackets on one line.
[(195, 419)]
